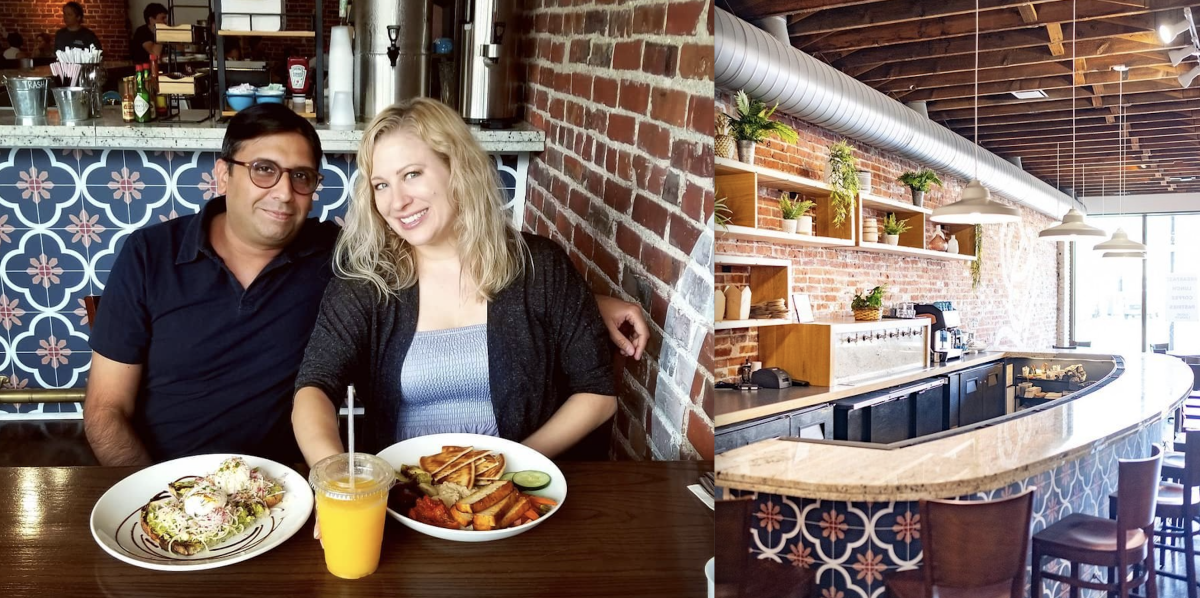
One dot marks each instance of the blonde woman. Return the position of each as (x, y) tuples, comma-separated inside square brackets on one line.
[(443, 316)]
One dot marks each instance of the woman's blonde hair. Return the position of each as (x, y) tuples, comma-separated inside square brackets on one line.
[(490, 248)]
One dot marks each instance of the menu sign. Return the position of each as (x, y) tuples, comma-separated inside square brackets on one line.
[(1183, 300)]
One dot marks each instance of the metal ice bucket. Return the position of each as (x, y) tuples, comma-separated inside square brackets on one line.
[(92, 77), (28, 95), (74, 103)]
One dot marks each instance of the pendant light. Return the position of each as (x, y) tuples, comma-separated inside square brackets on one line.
[(1073, 227), (1120, 245), (976, 205)]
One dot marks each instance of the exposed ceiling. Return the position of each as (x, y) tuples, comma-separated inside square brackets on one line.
[(925, 51)]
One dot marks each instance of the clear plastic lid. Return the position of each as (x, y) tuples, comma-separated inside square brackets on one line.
[(331, 476)]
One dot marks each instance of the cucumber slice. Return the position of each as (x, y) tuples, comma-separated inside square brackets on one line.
[(531, 480), (507, 476)]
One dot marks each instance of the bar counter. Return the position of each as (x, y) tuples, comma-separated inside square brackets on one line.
[(110, 132), (969, 462), (843, 509)]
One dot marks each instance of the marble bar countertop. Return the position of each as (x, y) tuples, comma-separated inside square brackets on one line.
[(736, 406), (975, 461), (110, 132)]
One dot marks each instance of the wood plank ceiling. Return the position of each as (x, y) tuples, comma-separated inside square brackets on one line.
[(924, 51)]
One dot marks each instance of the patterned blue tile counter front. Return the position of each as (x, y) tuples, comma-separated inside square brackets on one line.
[(64, 215), (851, 513)]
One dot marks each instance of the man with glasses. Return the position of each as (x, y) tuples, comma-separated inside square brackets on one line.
[(205, 318)]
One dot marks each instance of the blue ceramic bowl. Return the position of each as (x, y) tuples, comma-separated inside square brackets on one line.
[(270, 98), (239, 102)]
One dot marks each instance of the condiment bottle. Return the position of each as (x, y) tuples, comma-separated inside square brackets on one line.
[(127, 99)]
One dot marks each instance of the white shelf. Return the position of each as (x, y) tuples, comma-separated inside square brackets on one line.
[(901, 250), (741, 260), (731, 324), (768, 177), (890, 205), (749, 233)]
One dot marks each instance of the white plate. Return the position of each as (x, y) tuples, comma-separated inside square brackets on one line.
[(116, 528), (517, 457)]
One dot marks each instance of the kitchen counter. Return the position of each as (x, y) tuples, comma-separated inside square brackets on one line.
[(736, 406), (110, 132), (974, 461)]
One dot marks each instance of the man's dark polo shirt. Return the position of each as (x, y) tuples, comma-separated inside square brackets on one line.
[(219, 361)]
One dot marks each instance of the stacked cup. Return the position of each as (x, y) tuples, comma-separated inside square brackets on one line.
[(870, 230)]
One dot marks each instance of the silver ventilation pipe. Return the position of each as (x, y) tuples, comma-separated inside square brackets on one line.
[(920, 107), (777, 27), (748, 58)]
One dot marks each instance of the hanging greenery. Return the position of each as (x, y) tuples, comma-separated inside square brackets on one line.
[(843, 180), (977, 265)]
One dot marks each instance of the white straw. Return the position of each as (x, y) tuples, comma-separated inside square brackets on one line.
[(350, 433)]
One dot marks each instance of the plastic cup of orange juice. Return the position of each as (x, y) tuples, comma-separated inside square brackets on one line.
[(352, 516)]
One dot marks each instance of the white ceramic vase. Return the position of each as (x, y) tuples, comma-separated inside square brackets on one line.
[(806, 225), (790, 225), (891, 239)]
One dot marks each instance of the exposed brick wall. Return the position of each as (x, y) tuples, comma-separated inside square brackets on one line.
[(109, 19), (624, 94), (1014, 304)]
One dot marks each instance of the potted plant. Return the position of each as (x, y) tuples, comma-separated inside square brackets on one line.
[(753, 124), (868, 307), (721, 212), (892, 229), (842, 176), (864, 181), (920, 182), (794, 212), (723, 139)]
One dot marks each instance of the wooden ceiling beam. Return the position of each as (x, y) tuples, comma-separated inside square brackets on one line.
[(895, 12), (1165, 82), (1182, 133), (1155, 94), (1054, 30), (1018, 57), (1133, 28), (856, 37), (1028, 12), (751, 10), (1092, 123), (1043, 119), (1097, 64)]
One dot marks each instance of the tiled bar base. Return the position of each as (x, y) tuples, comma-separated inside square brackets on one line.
[(64, 215), (853, 546)]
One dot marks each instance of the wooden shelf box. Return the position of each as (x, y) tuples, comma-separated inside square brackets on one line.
[(843, 352), (770, 278), (739, 183)]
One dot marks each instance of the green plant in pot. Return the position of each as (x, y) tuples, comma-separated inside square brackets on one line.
[(868, 307), (721, 212), (842, 175), (753, 125), (892, 229), (920, 182), (797, 214)]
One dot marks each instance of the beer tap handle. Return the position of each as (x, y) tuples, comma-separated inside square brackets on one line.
[(393, 51)]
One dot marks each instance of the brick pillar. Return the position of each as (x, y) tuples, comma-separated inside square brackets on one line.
[(624, 92)]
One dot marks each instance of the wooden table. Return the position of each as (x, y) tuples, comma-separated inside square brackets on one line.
[(626, 529)]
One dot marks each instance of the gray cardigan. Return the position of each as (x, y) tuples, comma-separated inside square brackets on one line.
[(546, 341)]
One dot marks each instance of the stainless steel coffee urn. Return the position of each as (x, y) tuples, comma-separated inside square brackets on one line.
[(391, 53), (490, 84)]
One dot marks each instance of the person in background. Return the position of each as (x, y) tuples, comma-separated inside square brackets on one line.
[(74, 34), (443, 315), (143, 46), (43, 46), (15, 43)]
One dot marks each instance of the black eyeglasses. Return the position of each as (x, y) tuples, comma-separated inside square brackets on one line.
[(266, 174)]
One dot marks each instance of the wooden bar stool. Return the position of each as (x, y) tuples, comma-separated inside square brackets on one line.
[(1120, 544), (738, 574), (1178, 505), (971, 549)]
